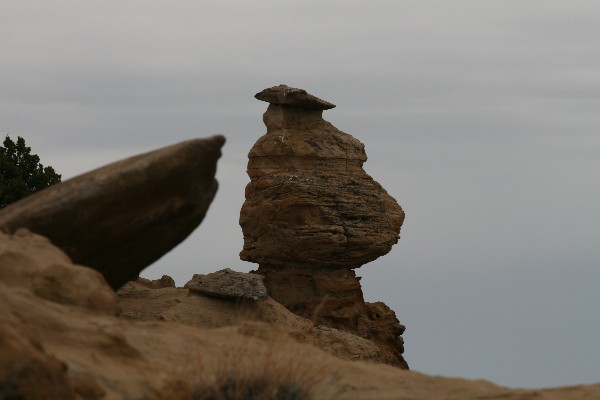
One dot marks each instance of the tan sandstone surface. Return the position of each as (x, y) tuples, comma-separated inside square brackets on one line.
[(61, 337)]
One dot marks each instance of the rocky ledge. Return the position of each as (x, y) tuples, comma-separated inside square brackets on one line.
[(66, 335)]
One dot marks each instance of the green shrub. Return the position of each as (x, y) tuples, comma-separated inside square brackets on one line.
[(21, 173)]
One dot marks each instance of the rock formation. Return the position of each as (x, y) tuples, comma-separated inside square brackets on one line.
[(164, 282), (228, 283), (52, 277), (122, 217), (312, 215), (202, 310), (63, 341)]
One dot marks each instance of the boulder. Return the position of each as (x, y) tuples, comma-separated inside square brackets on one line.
[(229, 284), (309, 202), (122, 217)]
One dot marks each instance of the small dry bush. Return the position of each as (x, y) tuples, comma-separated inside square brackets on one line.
[(264, 371)]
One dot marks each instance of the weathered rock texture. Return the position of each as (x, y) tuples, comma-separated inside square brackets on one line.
[(229, 284), (54, 330), (163, 282), (52, 277), (312, 214), (310, 203), (334, 297), (289, 96), (190, 308), (172, 344), (121, 218)]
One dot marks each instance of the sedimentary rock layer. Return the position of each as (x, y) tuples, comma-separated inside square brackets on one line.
[(310, 203), (228, 283), (334, 297)]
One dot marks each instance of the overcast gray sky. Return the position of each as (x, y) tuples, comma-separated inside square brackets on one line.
[(482, 118)]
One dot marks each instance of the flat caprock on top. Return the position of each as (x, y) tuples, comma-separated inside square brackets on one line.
[(290, 96)]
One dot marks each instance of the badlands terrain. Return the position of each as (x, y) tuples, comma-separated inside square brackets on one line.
[(65, 334)]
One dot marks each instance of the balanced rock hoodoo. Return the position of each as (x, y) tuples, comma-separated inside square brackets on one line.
[(312, 215)]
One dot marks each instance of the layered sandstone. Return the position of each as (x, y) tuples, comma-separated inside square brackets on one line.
[(312, 215), (310, 203), (174, 346)]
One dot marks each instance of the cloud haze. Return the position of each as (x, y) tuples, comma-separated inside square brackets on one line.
[(480, 118)]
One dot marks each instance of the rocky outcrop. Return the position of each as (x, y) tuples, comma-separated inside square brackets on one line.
[(57, 348), (52, 277), (55, 329), (309, 202), (121, 218), (228, 283), (288, 96), (190, 308), (312, 215)]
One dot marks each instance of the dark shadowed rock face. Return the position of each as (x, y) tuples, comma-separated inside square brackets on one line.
[(121, 218), (312, 214), (229, 284)]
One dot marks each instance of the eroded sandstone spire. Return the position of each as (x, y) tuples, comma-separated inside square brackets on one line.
[(310, 204), (312, 215)]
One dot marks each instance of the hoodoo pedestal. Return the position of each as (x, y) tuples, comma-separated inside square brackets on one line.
[(312, 215)]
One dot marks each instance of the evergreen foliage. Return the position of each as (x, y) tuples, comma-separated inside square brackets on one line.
[(21, 173)]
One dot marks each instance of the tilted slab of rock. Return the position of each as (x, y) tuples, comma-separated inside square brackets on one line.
[(309, 202), (229, 283), (122, 217)]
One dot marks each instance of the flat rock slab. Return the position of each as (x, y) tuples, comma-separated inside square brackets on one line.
[(229, 284), (122, 217), (290, 96)]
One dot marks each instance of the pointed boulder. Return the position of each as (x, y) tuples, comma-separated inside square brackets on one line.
[(122, 217)]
